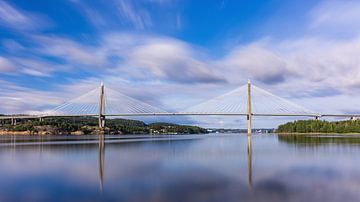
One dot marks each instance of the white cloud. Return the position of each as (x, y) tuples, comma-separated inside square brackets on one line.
[(333, 63), (301, 64), (170, 60), (256, 62)]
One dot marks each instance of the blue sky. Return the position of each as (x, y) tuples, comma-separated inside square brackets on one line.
[(174, 54)]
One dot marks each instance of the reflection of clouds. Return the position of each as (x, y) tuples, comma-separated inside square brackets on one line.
[(159, 183), (310, 183), (191, 169), (37, 161)]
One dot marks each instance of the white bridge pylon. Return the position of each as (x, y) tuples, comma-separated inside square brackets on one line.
[(115, 104), (263, 103)]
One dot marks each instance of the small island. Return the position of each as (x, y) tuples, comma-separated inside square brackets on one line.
[(319, 126), (89, 125)]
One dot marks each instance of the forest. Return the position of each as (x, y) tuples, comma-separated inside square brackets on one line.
[(320, 126)]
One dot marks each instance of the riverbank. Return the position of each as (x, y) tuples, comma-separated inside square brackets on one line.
[(89, 126)]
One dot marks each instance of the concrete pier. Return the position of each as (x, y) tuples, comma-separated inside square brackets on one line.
[(102, 107)]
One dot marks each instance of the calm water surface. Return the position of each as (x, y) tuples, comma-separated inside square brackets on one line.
[(222, 167)]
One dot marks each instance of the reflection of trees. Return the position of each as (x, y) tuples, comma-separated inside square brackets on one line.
[(46, 140), (317, 140)]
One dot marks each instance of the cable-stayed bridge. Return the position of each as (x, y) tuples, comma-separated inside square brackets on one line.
[(247, 100)]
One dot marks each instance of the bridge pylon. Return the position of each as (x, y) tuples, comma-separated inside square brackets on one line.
[(249, 113), (102, 107)]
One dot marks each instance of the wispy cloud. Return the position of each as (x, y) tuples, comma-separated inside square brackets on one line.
[(91, 14), (69, 50), (34, 67), (18, 99), (178, 21), (154, 61), (12, 46), (12, 17), (132, 15), (6, 65), (336, 17), (20, 20), (138, 17)]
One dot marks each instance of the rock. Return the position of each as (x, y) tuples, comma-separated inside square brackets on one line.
[(79, 132), (5, 132)]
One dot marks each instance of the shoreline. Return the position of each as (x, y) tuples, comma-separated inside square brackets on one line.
[(80, 133), (40, 133)]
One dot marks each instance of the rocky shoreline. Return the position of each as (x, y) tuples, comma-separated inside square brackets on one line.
[(41, 133), (52, 130)]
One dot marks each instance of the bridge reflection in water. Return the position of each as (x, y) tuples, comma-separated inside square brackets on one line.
[(101, 153), (249, 157), (101, 160)]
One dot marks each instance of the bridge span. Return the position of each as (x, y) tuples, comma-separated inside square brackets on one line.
[(248, 101)]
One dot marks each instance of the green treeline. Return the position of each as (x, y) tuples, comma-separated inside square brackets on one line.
[(89, 125), (317, 126)]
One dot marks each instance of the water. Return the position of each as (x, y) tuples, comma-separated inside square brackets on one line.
[(222, 167)]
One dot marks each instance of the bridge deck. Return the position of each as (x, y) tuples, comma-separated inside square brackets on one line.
[(178, 114)]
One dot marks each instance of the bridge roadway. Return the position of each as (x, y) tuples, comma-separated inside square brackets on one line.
[(6, 117)]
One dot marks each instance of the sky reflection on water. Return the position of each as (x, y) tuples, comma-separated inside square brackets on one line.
[(180, 168)]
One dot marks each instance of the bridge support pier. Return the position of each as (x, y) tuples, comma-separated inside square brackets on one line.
[(249, 113), (101, 121), (13, 121)]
